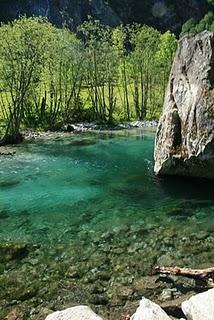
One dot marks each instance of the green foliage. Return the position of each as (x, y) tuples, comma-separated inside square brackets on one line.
[(188, 27), (22, 57), (192, 27), (49, 77)]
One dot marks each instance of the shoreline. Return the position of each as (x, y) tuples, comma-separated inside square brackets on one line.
[(79, 128), (89, 127)]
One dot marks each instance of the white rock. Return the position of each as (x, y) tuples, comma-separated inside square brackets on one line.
[(75, 313), (149, 310), (200, 307)]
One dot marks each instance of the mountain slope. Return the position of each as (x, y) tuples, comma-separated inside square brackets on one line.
[(163, 14)]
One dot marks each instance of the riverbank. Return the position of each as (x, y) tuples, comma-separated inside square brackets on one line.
[(78, 128), (90, 127)]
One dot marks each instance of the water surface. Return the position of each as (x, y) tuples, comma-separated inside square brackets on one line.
[(91, 204)]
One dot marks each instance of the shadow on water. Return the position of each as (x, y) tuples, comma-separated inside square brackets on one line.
[(200, 190)]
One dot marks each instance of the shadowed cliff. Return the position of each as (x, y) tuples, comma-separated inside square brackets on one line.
[(164, 14)]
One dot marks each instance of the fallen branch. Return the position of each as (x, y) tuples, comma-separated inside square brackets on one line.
[(186, 272)]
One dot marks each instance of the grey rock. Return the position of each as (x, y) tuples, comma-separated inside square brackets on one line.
[(75, 313), (200, 306), (185, 134), (148, 310)]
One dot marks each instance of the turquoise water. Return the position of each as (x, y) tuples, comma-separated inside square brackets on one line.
[(91, 201), (94, 178)]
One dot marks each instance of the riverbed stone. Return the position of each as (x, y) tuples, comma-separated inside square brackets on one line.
[(74, 313), (200, 306), (149, 310), (99, 300), (13, 250), (15, 314), (185, 134)]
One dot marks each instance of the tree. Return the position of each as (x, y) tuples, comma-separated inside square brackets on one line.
[(100, 69), (144, 41), (63, 79), (164, 58), (191, 26), (21, 62), (188, 27), (120, 36)]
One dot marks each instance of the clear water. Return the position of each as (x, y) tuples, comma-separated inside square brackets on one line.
[(74, 180), (92, 196), (95, 181)]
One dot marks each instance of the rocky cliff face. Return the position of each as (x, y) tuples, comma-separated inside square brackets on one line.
[(73, 12), (185, 135), (161, 14), (164, 14)]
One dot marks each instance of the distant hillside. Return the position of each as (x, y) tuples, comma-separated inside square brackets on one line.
[(162, 14)]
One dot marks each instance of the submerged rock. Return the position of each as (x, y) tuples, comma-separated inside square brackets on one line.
[(149, 310), (5, 151), (185, 134), (200, 306), (15, 314), (4, 214), (8, 183), (13, 250), (75, 313)]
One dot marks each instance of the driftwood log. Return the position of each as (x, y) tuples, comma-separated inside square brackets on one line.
[(186, 272), (198, 274)]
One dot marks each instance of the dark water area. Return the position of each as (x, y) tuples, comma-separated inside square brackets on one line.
[(82, 218)]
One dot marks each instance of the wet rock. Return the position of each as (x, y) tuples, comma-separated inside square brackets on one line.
[(165, 260), (105, 276), (166, 294), (97, 289), (99, 300), (4, 214), (115, 301), (11, 250), (33, 262), (74, 272), (148, 310), (124, 293), (185, 134), (173, 307), (180, 213), (6, 151), (200, 306), (83, 142), (27, 293), (75, 313), (69, 128), (183, 284), (8, 183), (15, 314), (202, 235), (42, 313)]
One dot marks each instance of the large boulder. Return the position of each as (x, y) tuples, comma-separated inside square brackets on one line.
[(200, 306), (149, 310), (185, 134), (74, 313)]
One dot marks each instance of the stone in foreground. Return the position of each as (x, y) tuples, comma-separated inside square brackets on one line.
[(200, 306), (75, 313), (148, 310), (185, 134)]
